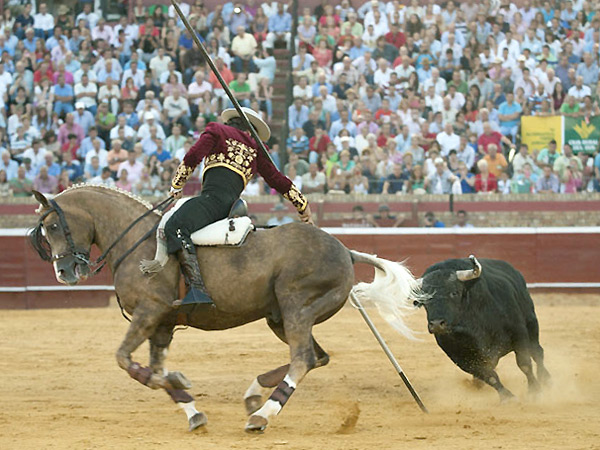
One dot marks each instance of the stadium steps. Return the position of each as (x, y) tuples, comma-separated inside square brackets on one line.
[(280, 87)]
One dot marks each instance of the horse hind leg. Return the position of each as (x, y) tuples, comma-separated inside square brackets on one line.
[(253, 398), (303, 359)]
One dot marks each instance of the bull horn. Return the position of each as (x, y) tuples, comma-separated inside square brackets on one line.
[(475, 272)]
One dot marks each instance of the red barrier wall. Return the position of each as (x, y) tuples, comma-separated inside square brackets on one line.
[(554, 257)]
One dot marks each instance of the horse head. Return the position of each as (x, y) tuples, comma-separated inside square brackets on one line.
[(64, 236)]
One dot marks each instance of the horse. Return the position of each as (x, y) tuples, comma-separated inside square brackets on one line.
[(294, 276)]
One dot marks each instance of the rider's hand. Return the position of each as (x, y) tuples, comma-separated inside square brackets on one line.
[(176, 193), (306, 216)]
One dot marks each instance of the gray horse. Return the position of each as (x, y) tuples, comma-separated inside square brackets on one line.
[(295, 276)]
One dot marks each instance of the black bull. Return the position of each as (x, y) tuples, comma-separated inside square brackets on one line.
[(478, 313)]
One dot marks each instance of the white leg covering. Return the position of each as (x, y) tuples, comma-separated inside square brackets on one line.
[(254, 389), (189, 408), (272, 407)]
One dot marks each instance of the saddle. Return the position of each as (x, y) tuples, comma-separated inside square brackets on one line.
[(229, 232)]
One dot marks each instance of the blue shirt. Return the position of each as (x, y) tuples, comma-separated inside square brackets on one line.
[(298, 145), (317, 85), (54, 170), (357, 52), (30, 45), (86, 146), (52, 42), (338, 126), (11, 169), (280, 23), (162, 156), (506, 109), (466, 187), (141, 65), (297, 118), (133, 120), (65, 91), (74, 170)]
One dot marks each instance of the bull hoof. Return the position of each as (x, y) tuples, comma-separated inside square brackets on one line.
[(197, 420), (253, 404), (178, 381), (256, 424)]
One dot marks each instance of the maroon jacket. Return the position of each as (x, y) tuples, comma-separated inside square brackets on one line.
[(224, 146)]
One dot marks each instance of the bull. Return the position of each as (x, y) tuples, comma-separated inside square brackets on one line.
[(480, 312)]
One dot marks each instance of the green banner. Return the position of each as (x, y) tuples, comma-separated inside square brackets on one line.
[(583, 135)]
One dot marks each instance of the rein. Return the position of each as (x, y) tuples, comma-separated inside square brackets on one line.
[(102, 258)]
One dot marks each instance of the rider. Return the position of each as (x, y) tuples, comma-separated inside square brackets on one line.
[(231, 158)]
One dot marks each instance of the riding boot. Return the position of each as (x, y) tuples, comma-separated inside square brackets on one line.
[(197, 293)]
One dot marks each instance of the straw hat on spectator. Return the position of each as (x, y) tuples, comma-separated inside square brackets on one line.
[(63, 9), (263, 130)]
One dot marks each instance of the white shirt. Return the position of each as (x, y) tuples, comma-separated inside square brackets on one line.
[(138, 77), (448, 142), (159, 65), (144, 131), (37, 159), (382, 78), (43, 21), (101, 154), (87, 100), (574, 91), (92, 19), (196, 88), (435, 103), (439, 84)]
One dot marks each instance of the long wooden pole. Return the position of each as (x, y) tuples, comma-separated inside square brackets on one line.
[(212, 66)]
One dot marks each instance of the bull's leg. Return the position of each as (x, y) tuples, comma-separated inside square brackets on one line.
[(536, 350), (523, 358), (303, 359), (159, 344), (145, 320), (489, 376), (253, 398), (537, 353)]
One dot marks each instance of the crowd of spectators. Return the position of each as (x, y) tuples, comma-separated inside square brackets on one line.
[(388, 98), (423, 97), (83, 100)]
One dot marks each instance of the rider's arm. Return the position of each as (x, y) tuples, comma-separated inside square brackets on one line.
[(281, 183), (208, 140)]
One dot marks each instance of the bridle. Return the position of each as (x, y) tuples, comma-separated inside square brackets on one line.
[(82, 256)]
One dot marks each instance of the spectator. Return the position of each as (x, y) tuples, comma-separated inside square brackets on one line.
[(280, 26), (496, 161), (548, 183), (485, 182), (297, 114), (21, 186), (243, 47), (441, 180), (8, 166), (313, 181), (104, 179), (509, 114), (548, 155), (462, 219), (431, 221), (280, 217)]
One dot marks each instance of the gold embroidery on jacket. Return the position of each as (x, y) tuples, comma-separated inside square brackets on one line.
[(296, 198), (181, 176), (237, 157)]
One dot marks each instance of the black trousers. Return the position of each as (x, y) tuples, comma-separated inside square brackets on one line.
[(221, 187)]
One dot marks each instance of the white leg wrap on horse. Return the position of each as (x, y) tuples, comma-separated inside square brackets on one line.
[(254, 389), (289, 382), (269, 409), (189, 408)]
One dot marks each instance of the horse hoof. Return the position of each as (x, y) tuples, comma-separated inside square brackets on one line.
[(253, 404), (178, 381), (197, 420), (256, 424)]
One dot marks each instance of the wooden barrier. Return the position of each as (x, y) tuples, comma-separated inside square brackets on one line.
[(549, 258)]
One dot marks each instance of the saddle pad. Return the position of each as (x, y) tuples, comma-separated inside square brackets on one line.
[(223, 232)]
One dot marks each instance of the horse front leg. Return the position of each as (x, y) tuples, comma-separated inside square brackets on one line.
[(146, 318), (159, 344)]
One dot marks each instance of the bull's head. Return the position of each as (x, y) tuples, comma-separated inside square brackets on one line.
[(446, 289), (63, 237)]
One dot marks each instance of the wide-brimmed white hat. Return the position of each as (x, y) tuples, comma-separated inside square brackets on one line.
[(263, 130)]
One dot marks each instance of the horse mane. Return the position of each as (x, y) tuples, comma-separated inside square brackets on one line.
[(115, 189)]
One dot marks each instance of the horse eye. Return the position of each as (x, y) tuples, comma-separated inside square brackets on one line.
[(53, 227)]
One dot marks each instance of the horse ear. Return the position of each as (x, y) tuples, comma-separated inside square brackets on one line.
[(41, 198)]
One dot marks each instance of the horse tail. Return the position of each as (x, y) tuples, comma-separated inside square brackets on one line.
[(393, 291)]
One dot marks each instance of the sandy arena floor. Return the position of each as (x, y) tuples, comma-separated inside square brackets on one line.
[(61, 387)]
